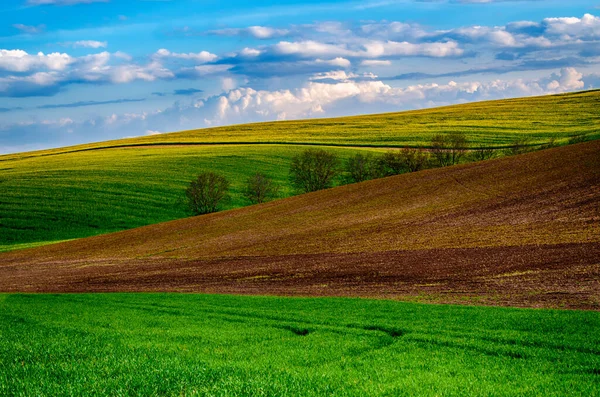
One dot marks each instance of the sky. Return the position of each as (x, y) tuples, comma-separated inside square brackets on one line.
[(78, 71)]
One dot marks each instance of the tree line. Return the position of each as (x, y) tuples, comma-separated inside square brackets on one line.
[(317, 169)]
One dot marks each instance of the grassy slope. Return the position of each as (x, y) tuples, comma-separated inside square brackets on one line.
[(184, 345), (88, 193), (49, 197)]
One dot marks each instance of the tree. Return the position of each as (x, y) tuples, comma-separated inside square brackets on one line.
[(361, 167), (259, 188), (390, 163), (440, 150), (449, 149), (314, 169), (206, 192), (458, 146), (414, 159)]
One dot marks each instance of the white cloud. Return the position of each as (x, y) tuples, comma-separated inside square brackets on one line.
[(346, 96), (90, 44), (228, 84), (336, 62), (568, 80), (200, 57), (585, 28), (370, 49), (21, 61)]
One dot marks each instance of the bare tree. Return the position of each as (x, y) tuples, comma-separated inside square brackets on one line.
[(361, 167), (259, 188), (206, 192), (314, 169)]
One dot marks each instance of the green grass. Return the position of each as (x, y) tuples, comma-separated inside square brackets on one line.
[(98, 188), (83, 194), (180, 345)]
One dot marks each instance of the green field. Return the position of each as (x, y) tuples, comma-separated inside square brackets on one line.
[(93, 189), (53, 198), (180, 345)]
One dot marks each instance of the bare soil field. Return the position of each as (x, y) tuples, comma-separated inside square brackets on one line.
[(518, 231)]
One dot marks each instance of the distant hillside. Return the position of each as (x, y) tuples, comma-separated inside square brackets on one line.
[(99, 188), (521, 230)]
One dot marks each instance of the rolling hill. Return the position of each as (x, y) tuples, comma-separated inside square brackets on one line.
[(522, 230), (87, 190)]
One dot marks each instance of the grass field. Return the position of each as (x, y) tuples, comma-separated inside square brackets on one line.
[(92, 189), (185, 345), (53, 198)]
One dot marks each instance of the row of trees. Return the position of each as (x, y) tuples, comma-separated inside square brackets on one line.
[(316, 169)]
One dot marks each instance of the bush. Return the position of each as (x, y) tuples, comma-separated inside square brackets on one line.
[(361, 167), (259, 189), (449, 149), (390, 163), (414, 159), (314, 169), (206, 192)]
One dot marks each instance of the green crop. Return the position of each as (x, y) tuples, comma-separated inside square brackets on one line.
[(186, 345)]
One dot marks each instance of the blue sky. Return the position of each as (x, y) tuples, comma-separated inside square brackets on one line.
[(74, 71)]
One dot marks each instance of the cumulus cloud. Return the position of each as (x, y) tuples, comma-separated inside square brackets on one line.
[(49, 73), (21, 61)]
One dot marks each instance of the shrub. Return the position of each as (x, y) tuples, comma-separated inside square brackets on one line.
[(390, 163), (361, 167), (449, 149), (314, 169), (206, 192), (414, 159), (259, 188)]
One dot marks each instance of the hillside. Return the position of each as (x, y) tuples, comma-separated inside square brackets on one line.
[(87, 190), (520, 230)]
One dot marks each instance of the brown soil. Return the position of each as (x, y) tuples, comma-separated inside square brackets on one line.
[(520, 231)]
